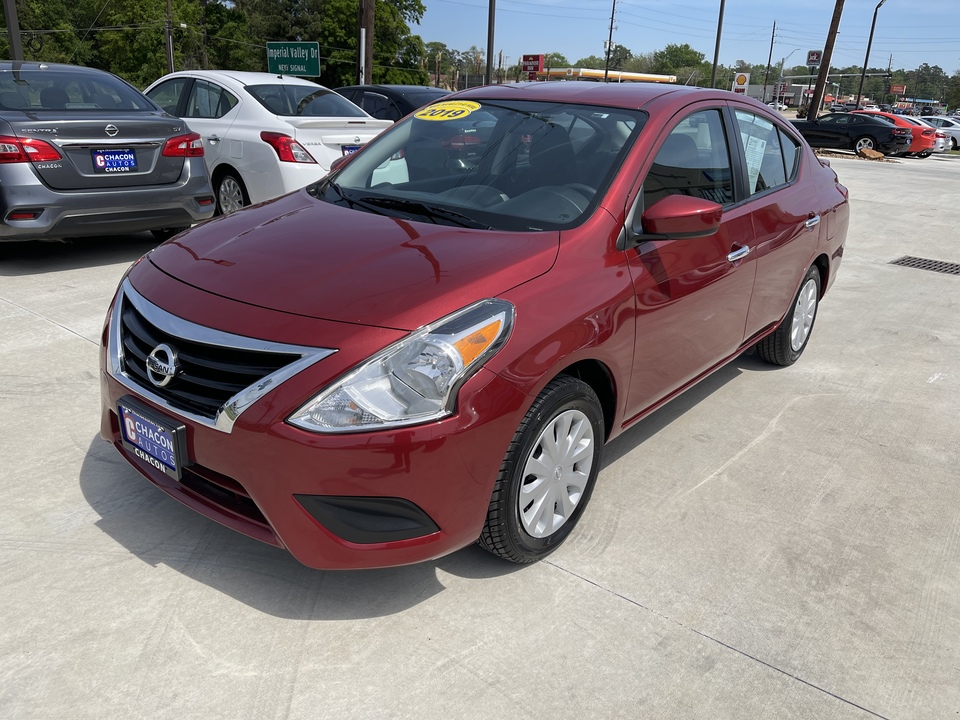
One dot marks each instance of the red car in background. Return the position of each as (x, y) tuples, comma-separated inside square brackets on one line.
[(924, 136), (430, 346)]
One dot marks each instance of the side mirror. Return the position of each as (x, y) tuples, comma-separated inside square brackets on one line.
[(681, 217)]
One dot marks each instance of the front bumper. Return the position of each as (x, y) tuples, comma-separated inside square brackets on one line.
[(338, 501), (82, 213)]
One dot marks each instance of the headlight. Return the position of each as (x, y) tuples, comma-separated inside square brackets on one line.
[(414, 380)]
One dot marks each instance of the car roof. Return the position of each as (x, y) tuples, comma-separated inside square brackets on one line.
[(12, 65), (245, 77), (400, 89), (625, 95)]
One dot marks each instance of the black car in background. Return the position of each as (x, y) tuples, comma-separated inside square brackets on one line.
[(83, 153), (846, 131), (391, 102)]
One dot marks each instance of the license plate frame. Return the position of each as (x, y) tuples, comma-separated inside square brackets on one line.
[(109, 161), (349, 149), (154, 440)]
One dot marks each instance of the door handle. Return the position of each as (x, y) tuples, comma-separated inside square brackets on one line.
[(214, 138), (738, 254), (812, 222)]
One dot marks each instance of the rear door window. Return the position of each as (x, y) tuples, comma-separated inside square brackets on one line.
[(769, 164), (209, 100)]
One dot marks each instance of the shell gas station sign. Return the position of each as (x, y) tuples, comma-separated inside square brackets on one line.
[(741, 81)]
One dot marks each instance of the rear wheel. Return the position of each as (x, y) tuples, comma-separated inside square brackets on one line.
[(787, 343), (864, 143), (925, 154), (548, 473), (231, 194)]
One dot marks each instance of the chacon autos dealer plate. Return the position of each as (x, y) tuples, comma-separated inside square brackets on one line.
[(151, 438), (114, 161)]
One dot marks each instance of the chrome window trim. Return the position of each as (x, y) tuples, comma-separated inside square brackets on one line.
[(178, 327)]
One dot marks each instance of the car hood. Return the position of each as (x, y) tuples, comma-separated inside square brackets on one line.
[(300, 255)]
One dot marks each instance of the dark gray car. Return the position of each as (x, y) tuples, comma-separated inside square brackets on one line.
[(391, 102), (83, 153)]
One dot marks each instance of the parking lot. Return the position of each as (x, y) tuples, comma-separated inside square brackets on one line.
[(776, 543)]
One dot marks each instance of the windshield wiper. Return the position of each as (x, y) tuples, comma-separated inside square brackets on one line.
[(430, 211), (351, 201)]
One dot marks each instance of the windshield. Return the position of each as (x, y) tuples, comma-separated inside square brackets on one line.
[(68, 92), (505, 165), (304, 100)]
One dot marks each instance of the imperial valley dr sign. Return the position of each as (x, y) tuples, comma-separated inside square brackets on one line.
[(294, 58)]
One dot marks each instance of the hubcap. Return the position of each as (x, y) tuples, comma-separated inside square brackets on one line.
[(230, 195), (803, 314), (555, 474)]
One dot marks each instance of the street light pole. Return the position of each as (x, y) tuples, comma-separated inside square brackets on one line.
[(863, 74)]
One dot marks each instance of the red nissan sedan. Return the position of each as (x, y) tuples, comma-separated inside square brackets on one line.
[(430, 346)]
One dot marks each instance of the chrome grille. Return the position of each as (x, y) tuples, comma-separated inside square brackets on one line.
[(210, 375), (219, 374)]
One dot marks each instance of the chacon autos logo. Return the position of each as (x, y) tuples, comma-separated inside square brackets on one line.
[(162, 365)]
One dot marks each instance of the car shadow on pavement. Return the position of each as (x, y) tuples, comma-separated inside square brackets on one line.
[(160, 531), (36, 257), (676, 408)]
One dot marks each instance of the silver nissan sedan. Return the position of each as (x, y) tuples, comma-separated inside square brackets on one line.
[(84, 153)]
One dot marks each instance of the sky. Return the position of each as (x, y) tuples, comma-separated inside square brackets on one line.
[(911, 32)]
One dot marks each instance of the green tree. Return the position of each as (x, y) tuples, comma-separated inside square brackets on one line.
[(592, 61), (673, 58)]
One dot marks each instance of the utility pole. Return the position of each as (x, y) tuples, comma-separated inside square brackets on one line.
[(716, 52), (491, 18), (13, 29), (168, 29), (365, 56), (817, 99), (766, 76), (439, 55), (606, 64)]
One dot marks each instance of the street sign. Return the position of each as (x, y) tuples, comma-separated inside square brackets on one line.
[(814, 57), (294, 58), (531, 63), (741, 81), (898, 89)]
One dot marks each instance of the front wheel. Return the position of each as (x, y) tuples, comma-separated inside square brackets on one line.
[(787, 343), (864, 143), (548, 473)]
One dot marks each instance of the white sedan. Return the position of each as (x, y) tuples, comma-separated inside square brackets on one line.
[(949, 125), (777, 105), (264, 135)]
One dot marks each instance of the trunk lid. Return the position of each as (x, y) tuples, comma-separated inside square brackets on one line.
[(104, 150)]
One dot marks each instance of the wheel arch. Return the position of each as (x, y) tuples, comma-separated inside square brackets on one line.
[(822, 264), (222, 169), (598, 376)]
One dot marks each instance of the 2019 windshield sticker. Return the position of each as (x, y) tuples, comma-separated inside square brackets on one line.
[(449, 110)]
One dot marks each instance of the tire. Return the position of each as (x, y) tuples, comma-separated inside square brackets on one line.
[(517, 528), (925, 154), (787, 343), (167, 233), (231, 194), (864, 143), (954, 145)]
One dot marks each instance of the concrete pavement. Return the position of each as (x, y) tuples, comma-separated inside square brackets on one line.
[(776, 543)]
